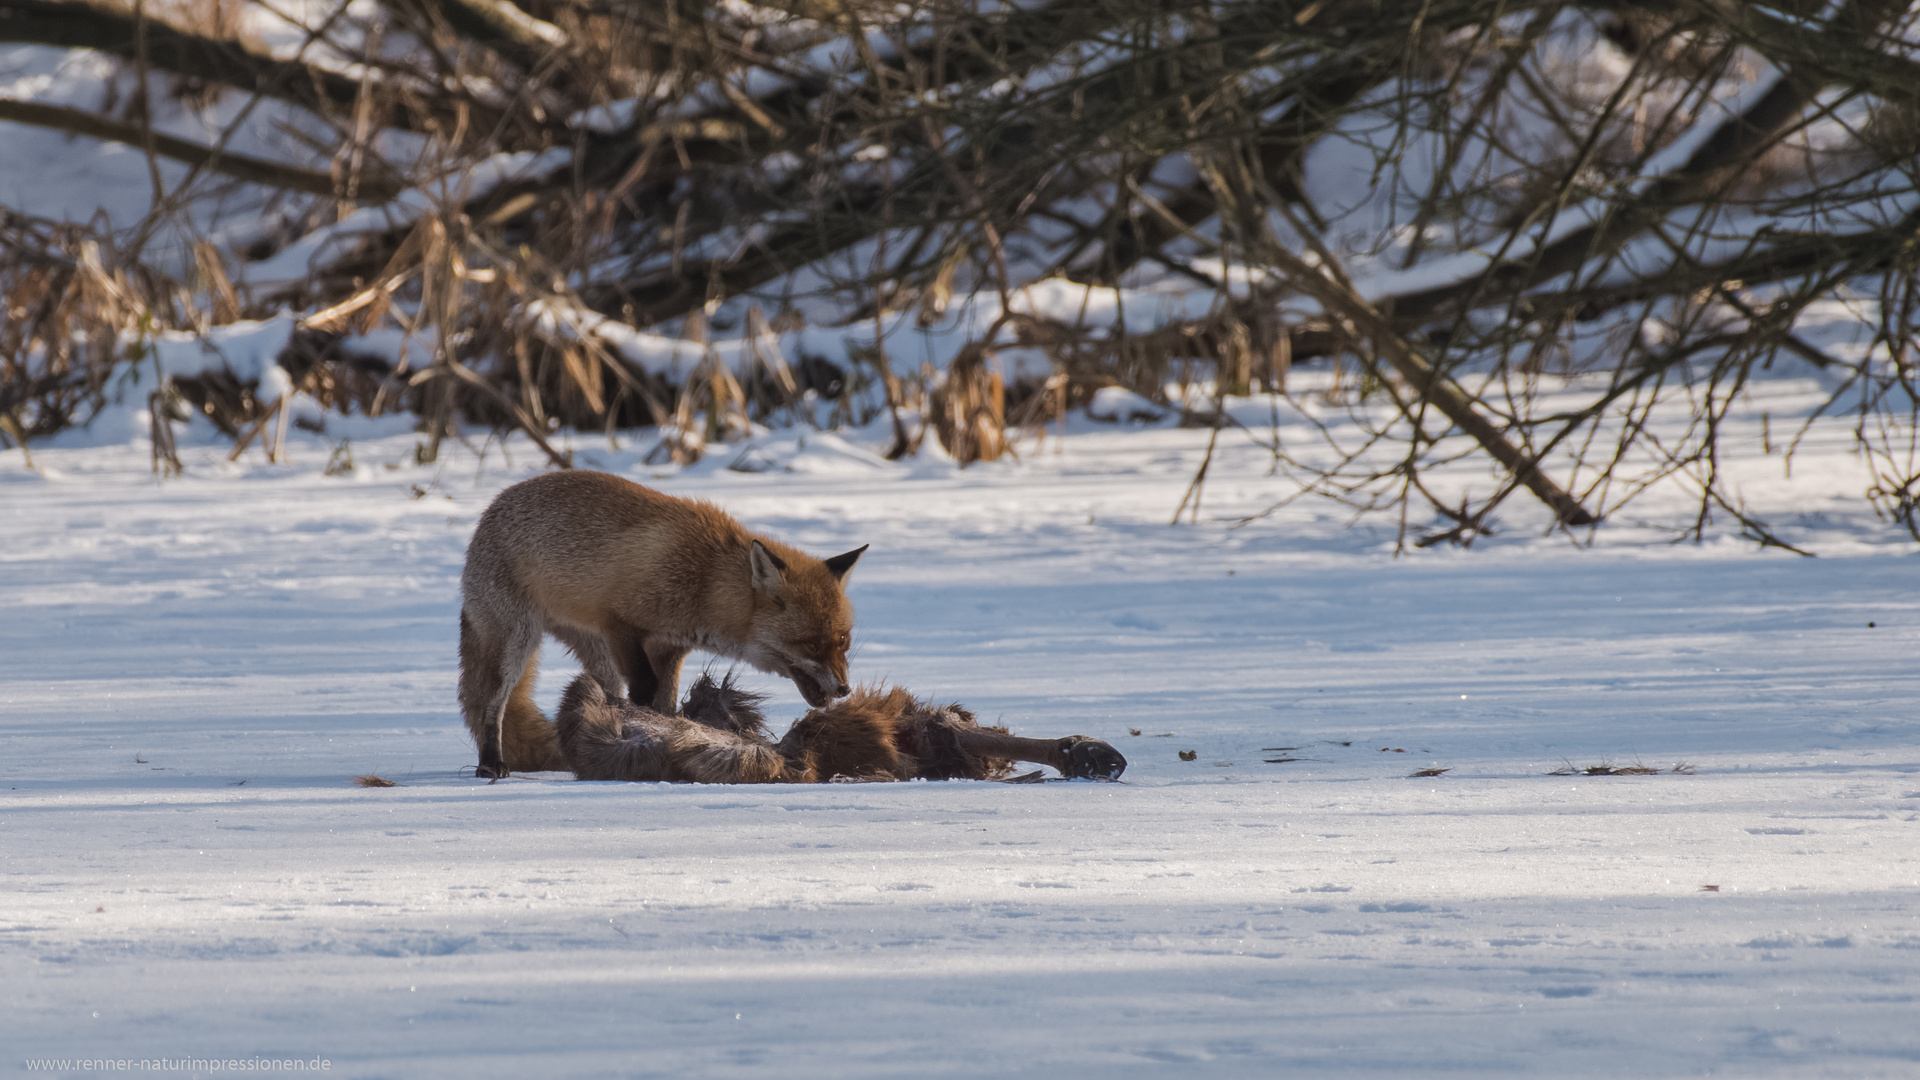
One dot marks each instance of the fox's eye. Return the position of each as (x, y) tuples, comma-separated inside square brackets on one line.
[(846, 640)]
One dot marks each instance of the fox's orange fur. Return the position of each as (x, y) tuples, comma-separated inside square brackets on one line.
[(631, 580)]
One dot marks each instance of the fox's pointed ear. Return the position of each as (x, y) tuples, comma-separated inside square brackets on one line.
[(767, 568), (842, 565)]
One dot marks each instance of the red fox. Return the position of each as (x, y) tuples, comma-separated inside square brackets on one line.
[(631, 580), (720, 738)]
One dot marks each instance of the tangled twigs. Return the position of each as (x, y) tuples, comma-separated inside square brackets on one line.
[(1558, 237)]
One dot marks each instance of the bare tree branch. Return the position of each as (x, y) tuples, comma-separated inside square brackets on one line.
[(105, 27), (253, 170)]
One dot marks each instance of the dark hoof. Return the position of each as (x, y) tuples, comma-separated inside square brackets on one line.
[(1090, 759)]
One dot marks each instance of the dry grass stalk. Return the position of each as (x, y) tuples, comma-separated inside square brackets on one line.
[(214, 281), (969, 409), (75, 315), (10, 427), (764, 348), (725, 403), (711, 406)]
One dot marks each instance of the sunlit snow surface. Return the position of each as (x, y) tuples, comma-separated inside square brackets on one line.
[(195, 671)]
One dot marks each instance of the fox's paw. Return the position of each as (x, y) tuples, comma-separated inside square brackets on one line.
[(490, 770), (1090, 759)]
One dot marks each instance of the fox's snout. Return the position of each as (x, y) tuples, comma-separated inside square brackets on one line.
[(819, 691)]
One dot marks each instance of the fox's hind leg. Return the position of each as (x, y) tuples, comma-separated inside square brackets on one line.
[(479, 681), (529, 742), (495, 661)]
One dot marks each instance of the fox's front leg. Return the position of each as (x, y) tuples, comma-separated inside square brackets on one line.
[(663, 660), (629, 651), (652, 668)]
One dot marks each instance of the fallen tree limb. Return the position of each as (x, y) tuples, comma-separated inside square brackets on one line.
[(108, 28), (516, 36), (1835, 55), (1791, 256), (273, 174)]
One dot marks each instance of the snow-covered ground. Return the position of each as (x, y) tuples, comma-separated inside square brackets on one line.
[(195, 671)]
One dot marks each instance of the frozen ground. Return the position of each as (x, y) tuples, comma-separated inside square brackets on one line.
[(194, 672)]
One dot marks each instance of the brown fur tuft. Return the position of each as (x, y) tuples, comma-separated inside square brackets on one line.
[(613, 739), (856, 738), (889, 734), (724, 706)]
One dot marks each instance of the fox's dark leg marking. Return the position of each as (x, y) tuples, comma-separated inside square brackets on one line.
[(642, 682), (492, 765), (626, 646), (665, 661)]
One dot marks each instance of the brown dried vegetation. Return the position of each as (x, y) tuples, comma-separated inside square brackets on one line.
[(868, 162)]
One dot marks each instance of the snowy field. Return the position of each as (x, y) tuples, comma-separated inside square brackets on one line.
[(195, 672)]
